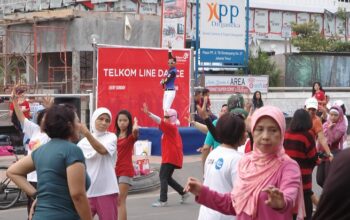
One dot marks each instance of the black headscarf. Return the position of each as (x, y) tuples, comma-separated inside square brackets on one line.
[(335, 199)]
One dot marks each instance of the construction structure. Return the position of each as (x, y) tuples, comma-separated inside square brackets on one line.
[(46, 44)]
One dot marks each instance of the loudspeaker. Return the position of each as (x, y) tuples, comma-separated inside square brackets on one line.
[(74, 101)]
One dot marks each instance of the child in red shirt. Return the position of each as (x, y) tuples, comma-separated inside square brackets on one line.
[(23, 103), (127, 135)]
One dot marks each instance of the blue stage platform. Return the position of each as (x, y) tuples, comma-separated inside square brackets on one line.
[(191, 139)]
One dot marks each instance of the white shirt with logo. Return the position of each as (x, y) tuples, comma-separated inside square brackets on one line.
[(220, 171), (37, 138)]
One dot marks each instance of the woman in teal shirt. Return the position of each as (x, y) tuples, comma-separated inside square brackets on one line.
[(60, 165)]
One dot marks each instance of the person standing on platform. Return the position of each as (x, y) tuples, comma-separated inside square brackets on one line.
[(172, 155), (127, 135), (168, 82)]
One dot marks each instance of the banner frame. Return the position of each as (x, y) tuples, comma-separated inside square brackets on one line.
[(210, 65)]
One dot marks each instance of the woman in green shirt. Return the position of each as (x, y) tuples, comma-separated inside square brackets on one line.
[(60, 165)]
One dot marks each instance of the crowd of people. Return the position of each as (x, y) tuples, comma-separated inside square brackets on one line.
[(255, 166), (273, 178)]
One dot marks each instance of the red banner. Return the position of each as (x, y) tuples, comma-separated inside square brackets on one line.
[(129, 77)]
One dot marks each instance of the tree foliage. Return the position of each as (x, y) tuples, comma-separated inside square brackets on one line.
[(308, 38), (262, 65)]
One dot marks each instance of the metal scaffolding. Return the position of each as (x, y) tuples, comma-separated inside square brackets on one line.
[(22, 52)]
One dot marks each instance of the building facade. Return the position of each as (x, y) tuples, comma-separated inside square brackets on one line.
[(47, 43)]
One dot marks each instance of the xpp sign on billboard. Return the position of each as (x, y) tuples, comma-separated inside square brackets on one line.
[(223, 31)]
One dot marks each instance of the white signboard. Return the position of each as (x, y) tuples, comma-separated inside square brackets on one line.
[(188, 21), (125, 6), (223, 31), (223, 24), (275, 21), (288, 18), (241, 84), (329, 25), (318, 18), (148, 9), (286, 32), (303, 18), (340, 27), (251, 20), (261, 21)]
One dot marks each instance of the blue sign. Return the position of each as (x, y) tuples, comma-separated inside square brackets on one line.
[(222, 56)]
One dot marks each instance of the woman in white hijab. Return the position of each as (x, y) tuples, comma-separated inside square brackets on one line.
[(99, 148)]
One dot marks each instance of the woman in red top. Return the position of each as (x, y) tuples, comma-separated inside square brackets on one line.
[(127, 135), (320, 95), (23, 103), (172, 155)]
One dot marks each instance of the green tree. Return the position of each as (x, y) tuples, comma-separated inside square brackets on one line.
[(262, 65), (308, 38)]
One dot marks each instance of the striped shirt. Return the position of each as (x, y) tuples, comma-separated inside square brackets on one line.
[(300, 146)]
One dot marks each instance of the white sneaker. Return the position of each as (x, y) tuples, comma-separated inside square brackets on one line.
[(184, 197), (159, 204)]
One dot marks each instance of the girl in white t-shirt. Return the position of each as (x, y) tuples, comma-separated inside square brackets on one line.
[(221, 164), (99, 149), (35, 134)]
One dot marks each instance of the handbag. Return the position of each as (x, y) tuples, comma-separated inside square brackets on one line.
[(323, 169)]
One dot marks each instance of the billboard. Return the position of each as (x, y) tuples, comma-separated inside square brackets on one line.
[(223, 31), (129, 77), (242, 84), (173, 23)]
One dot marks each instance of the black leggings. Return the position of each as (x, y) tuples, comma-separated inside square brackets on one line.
[(165, 176)]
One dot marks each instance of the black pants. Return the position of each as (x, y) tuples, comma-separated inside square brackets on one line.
[(165, 176), (308, 206)]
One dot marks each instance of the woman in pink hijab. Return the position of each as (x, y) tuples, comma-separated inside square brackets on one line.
[(268, 183), (335, 128)]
